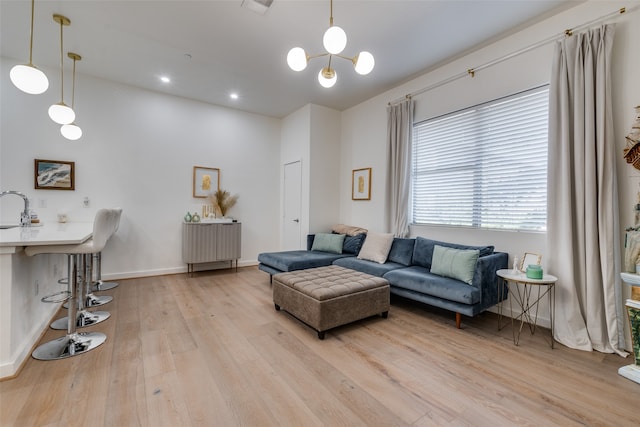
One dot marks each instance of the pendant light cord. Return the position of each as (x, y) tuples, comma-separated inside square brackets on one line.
[(61, 67), (73, 86), (331, 14), (31, 34)]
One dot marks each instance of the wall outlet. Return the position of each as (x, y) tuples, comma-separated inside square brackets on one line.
[(85, 202), (42, 203)]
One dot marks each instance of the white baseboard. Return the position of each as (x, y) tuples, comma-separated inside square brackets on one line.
[(162, 271)]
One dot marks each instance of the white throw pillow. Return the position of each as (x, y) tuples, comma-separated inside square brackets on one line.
[(376, 247)]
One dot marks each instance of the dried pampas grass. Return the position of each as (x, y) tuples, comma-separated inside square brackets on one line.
[(222, 201)]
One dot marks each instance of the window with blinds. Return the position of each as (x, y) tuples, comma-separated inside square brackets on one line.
[(485, 166)]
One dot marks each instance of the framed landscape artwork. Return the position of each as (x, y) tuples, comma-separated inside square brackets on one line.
[(54, 175), (361, 184), (205, 181)]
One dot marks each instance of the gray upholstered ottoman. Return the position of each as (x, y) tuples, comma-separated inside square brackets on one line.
[(326, 297)]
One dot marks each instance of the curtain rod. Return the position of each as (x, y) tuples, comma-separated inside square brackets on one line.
[(471, 71)]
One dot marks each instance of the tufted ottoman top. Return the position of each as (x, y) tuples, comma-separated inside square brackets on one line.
[(325, 283)]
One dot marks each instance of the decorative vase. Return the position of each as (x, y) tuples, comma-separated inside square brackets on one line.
[(195, 217), (187, 217)]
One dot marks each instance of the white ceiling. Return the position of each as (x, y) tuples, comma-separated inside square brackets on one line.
[(212, 48)]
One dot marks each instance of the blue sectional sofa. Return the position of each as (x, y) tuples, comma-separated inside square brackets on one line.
[(408, 270)]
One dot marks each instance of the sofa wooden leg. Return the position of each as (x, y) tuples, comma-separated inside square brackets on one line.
[(458, 320)]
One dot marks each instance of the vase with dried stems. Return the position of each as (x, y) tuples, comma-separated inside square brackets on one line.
[(222, 201)]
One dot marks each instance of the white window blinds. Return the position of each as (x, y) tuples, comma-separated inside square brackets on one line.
[(485, 166)]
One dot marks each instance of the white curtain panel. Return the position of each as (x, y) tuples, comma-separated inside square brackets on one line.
[(583, 230), (399, 134)]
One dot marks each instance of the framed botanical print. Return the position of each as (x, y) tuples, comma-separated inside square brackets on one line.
[(206, 181), (361, 184)]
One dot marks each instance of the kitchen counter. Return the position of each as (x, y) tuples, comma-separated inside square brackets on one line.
[(24, 280), (69, 233)]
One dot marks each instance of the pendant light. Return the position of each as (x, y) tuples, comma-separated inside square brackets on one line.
[(27, 77), (72, 131), (334, 42), (61, 113)]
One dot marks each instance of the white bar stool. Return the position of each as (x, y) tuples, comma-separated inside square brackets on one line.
[(99, 284), (90, 299), (74, 342)]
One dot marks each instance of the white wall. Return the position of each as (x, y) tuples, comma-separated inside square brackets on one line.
[(364, 126), (311, 135), (137, 152), (325, 168), (296, 146)]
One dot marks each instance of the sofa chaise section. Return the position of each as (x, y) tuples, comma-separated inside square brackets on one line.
[(285, 261)]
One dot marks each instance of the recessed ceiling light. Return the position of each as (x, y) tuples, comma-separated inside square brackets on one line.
[(165, 79), (233, 95)]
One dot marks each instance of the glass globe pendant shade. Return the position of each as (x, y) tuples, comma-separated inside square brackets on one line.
[(364, 63), (334, 40), (297, 59), (71, 131), (61, 113), (29, 79), (327, 77)]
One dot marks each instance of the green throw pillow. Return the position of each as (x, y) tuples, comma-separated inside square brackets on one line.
[(328, 242), (454, 263)]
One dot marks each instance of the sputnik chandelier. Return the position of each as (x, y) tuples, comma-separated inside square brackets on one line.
[(334, 41)]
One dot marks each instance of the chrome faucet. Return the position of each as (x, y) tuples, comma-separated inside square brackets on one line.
[(25, 216)]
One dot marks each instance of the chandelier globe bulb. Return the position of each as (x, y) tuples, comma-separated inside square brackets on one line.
[(297, 59), (29, 79), (327, 77), (71, 131), (364, 62), (334, 40), (61, 113)]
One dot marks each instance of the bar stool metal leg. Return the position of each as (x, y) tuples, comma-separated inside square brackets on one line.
[(90, 299), (83, 317), (74, 343), (99, 285)]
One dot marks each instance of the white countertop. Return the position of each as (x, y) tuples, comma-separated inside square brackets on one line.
[(69, 233)]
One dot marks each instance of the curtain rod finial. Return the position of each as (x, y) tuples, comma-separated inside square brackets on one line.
[(471, 72)]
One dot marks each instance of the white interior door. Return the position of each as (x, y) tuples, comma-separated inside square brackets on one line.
[(292, 200)]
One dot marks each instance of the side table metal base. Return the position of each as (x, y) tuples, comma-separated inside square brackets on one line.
[(521, 294)]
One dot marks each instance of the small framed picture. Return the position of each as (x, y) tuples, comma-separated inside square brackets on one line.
[(529, 258), (361, 184), (206, 181), (54, 175)]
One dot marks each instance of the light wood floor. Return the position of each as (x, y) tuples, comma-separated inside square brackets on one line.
[(210, 350)]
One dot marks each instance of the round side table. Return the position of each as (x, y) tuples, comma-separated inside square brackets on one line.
[(527, 300)]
